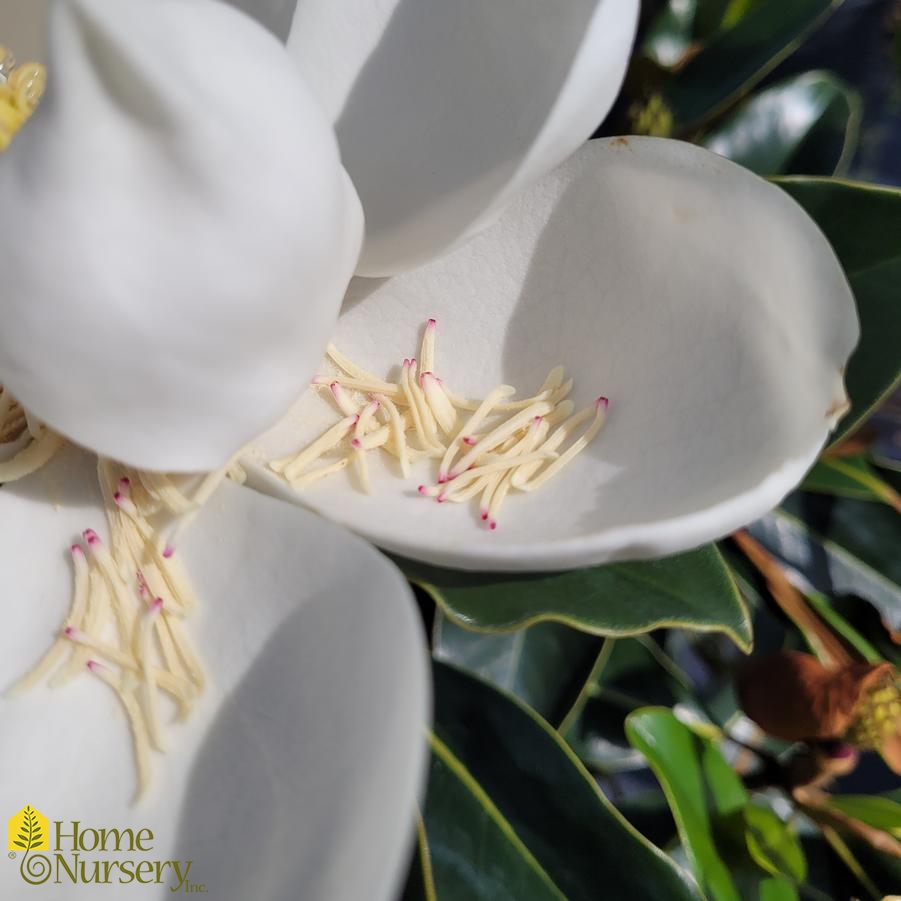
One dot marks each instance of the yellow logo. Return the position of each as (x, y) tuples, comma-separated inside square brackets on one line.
[(29, 830)]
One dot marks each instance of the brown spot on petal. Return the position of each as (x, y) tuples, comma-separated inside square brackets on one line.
[(838, 408), (620, 142)]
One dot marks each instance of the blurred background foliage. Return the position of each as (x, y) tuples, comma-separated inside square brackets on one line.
[(588, 740)]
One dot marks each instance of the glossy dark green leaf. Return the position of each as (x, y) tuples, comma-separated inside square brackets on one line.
[(512, 814), (420, 885), (809, 123), (852, 477), (881, 813), (736, 58), (841, 546), (692, 591), (863, 224), (476, 853), (702, 789), (633, 673), (545, 665)]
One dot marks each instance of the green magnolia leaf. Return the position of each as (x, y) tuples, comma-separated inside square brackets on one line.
[(808, 123), (691, 591), (420, 884), (863, 224), (702, 790), (671, 35), (632, 673), (545, 665), (772, 845), (841, 546), (881, 813), (853, 477), (776, 889), (735, 848), (737, 58), (512, 814)]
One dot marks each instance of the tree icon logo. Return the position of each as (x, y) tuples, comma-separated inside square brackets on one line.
[(29, 831)]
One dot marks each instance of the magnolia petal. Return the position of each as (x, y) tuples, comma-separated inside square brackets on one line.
[(22, 28), (300, 765), (700, 299), (177, 233), (445, 110)]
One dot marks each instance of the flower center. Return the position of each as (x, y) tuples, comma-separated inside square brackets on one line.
[(485, 448), (878, 714), (21, 89)]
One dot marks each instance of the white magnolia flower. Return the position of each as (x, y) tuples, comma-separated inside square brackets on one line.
[(177, 234)]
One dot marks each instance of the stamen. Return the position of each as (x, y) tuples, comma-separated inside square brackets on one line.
[(358, 451), (292, 467), (427, 352), (441, 407), (572, 451), (499, 434), (308, 478), (342, 399), (397, 427), (139, 731), (32, 458), (357, 372), (478, 417)]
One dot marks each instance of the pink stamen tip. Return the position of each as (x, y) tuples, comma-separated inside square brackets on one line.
[(537, 419), (484, 514), (441, 498), (68, 631), (423, 490), (168, 551), (118, 497), (76, 549), (124, 483), (354, 442), (492, 525), (432, 323), (93, 665), (442, 478), (334, 386), (412, 361), (157, 605), (406, 363), (356, 418), (91, 537), (602, 402), (469, 440)]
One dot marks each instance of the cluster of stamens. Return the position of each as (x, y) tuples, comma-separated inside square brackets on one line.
[(25, 444), (878, 714), (484, 449), (21, 88), (129, 601), (130, 595)]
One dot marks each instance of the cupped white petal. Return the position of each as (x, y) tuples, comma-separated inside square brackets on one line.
[(700, 299), (297, 771), (445, 110), (177, 233)]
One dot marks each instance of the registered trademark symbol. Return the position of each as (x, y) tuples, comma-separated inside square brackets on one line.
[(12, 855)]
